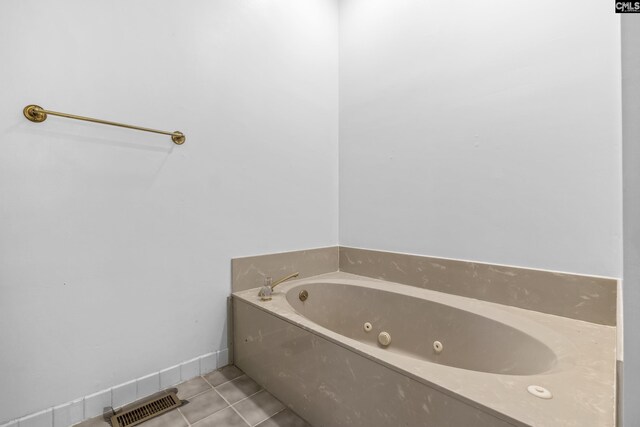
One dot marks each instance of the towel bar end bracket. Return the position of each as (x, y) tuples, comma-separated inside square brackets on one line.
[(178, 138), (31, 113)]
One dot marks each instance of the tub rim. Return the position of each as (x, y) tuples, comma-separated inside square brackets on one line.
[(535, 331)]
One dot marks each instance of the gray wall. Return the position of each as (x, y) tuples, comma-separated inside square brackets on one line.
[(458, 141), (108, 233), (631, 212)]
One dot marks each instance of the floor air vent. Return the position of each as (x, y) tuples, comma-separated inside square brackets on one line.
[(146, 410)]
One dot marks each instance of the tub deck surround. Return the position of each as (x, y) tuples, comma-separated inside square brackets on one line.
[(574, 359), (588, 298), (249, 272)]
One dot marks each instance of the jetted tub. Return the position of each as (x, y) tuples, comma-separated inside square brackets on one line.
[(467, 340), (451, 361)]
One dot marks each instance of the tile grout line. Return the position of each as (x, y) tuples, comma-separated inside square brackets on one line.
[(230, 406), (234, 409), (244, 398), (268, 418), (251, 395), (233, 379), (184, 418), (196, 395), (240, 415), (208, 383)]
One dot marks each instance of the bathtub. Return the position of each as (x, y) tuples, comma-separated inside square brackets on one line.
[(320, 345)]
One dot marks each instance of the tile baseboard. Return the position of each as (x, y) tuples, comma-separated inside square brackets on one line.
[(78, 410)]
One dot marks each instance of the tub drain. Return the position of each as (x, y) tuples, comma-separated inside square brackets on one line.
[(539, 391)]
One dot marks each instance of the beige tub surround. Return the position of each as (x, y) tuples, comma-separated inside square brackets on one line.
[(250, 272), (451, 360), (588, 298), (580, 297), (331, 386)]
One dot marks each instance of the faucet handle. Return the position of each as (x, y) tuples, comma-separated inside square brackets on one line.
[(266, 290)]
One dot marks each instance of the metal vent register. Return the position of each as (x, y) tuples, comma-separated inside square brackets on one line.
[(146, 410)]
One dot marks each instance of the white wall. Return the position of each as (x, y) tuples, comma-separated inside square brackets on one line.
[(477, 130), (482, 130), (631, 150), (115, 245)]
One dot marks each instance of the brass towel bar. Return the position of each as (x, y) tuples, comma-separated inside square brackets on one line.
[(38, 114)]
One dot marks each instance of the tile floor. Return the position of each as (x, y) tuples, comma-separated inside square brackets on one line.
[(224, 398)]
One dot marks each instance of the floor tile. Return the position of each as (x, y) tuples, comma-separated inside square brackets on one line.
[(192, 387), (259, 407), (202, 406), (223, 375), (225, 418), (286, 418), (238, 389), (170, 419)]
